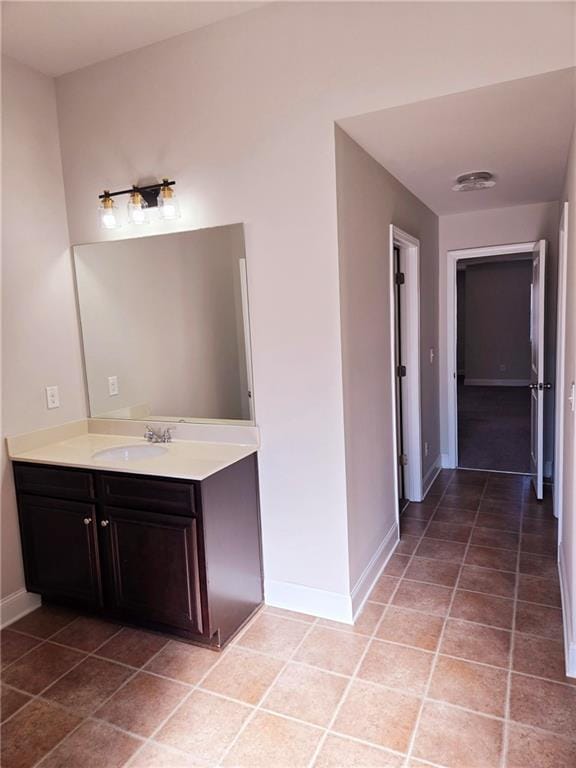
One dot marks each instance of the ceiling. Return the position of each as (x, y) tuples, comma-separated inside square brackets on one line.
[(59, 37), (520, 130)]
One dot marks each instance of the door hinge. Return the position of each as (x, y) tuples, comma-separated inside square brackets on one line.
[(401, 371), (403, 460), (399, 278)]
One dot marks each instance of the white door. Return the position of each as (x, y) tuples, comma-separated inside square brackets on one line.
[(537, 384)]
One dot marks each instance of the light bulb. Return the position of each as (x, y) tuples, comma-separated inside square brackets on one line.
[(137, 208), (167, 203), (108, 211)]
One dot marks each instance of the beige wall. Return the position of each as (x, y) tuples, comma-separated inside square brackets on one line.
[(369, 200), (516, 224), (40, 335), (497, 320), (242, 115), (568, 545)]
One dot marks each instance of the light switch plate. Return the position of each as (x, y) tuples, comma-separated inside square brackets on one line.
[(113, 385), (52, 397)]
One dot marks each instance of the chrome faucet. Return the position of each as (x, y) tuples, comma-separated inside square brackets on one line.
[(158, 435)]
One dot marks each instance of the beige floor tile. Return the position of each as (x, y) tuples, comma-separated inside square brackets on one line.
[(13, 646), (133, 646), (497, 559), (384, 589), (44, 621), (306, 694), (456, 739), (433, 571), (86, 686), (528, 748), (11, 701), (273, 635), (297, 616), (378, 715), (407, 544), (244, 675), (34, 731), (93, 745), (86, 633), (143, 703), (454, 515), (411, 628), (157, 756), (397, 666), (483, 609), (435, 549), (269, 740), (339, 752), (487, 645), (540, 657), (183, 662), (476, 579), (543, 704), (539, 620), (204, 725), (488, 537), (469, 685), (332, 650), (449, 531), (535, 590), (365, 624), (536, 565), (396, 565), (41, 667), (428, 598), (498, 522)]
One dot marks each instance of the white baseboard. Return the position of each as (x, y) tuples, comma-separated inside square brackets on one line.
[(302, 599), (445, 461), (569, 619), (496, 382), (430, 476), (16, 605), (372, 572)]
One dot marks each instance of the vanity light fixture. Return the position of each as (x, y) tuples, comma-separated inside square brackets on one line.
[(167, 202), (142, 198), (137, 208), (108, 211)]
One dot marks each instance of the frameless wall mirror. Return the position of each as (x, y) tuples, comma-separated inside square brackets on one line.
[(165, 326)]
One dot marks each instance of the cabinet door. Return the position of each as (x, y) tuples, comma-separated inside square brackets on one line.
[(60, 548), (153, 566)]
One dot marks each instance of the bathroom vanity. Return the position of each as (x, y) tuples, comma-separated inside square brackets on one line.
[(174, 554)]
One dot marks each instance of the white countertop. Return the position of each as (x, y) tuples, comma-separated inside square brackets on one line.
[(184, 459)]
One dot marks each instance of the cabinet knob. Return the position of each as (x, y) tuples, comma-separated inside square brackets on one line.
[(87, 520), (104, 523)]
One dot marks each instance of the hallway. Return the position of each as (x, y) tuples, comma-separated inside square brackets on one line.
[(456, 659), (494, 428)]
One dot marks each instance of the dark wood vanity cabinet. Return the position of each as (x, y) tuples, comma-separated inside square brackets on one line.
[(173, 555)]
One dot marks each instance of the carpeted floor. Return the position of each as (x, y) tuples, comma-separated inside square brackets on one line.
[(494, 428)]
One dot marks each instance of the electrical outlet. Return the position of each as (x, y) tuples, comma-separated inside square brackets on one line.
[(113, 386), (426, 449), (52, 397)]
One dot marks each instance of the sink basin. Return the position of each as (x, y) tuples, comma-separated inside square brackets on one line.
[(131, 452)]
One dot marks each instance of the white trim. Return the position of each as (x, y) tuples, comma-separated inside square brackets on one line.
[(410, 248), (452, 263), (497, 382), (242, 265), (446, 461), (16, 605), (559, 393), (301, 599), (373, 570), (431, 475), (569, 619)]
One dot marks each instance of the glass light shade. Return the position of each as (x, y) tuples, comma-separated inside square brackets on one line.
[(168, 207), (137, 209), (108, 213)]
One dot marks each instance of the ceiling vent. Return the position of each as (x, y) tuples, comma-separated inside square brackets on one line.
[(470, 182)]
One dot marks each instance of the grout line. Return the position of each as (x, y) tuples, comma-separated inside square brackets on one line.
[(434, 664)]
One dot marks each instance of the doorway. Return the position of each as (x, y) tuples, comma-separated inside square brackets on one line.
[(496, 359)]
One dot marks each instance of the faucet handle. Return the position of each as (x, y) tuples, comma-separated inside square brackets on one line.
[(148, 432), (168, 434)]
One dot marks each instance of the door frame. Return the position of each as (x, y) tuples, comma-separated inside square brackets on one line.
[(559, 391), (411, 404), (454, 256)]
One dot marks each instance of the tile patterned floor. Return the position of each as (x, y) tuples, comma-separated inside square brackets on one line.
[(456, 661)]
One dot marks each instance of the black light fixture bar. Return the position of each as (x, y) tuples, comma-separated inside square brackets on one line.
[(149, 192)]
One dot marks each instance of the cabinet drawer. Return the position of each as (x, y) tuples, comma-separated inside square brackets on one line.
[(148, 493), (54, 482)]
